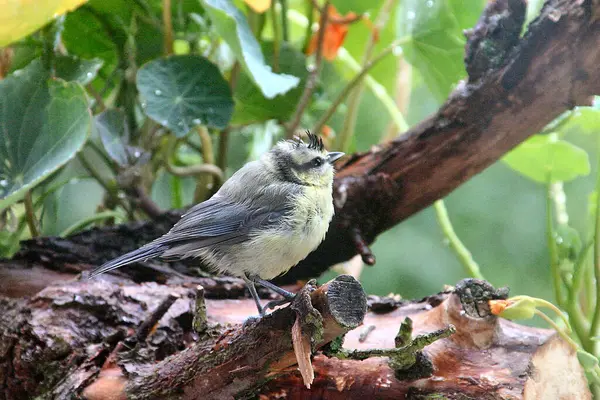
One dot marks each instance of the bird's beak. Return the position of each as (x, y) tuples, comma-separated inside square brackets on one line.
[(334, 156)]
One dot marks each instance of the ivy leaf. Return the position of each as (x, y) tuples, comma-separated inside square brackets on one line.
[(545, 158), (74, 69), (253, 106), (232, 26), (43, 123), (19, 18), (182, 91), (432, 31)]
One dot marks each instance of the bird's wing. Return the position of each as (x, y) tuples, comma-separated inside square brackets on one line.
[(215, 221), (220, 221)]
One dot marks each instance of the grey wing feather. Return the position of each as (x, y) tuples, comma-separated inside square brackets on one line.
[(212, 222), (220, 221)]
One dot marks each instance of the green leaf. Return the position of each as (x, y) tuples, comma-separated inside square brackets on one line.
[(44, 124), (85, 36), (253, 106), (433, 33), (20, 18), (545, 158), (231, 24), (182, 91), (114, 134), (74, 69), (581, 120), (568, 242), (588, 361), (356, 6)]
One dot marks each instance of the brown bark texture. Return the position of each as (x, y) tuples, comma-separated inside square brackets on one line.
[(508, 97), (86, 340), (169, 331)]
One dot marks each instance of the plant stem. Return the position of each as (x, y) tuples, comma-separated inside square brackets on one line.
[(192, 170), (590, 298), (176, 192), (30, 215), (342, 141), (311, 81), (223, 146), (594, 331), (109, 163), (345, 59), (204, 182), (558, 330), (85, 222), (553, 252), (167, 26), (110, 191), (461, 251), (310, 14), (351, 85), (284, 22), (276, 37), (576, 316)]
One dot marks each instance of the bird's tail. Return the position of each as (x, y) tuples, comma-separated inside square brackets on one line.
[(151, 250)]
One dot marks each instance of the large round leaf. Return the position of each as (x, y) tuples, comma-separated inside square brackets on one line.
[(43, 124), (545, 158), (182, 91)]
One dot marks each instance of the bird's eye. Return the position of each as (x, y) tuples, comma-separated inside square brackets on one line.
[(317, 162)]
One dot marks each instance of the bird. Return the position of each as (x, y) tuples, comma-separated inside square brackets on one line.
[(266, 218)]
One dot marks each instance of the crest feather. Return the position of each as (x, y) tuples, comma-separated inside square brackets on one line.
[(314, 141)]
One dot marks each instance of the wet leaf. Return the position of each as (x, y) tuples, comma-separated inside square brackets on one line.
[(180, 92), (232, 26), (45, 123)]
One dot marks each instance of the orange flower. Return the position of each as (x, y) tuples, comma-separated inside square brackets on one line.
[(335, 33), (498, 306)]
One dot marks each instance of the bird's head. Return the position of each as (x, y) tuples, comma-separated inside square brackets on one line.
[(303, 163)]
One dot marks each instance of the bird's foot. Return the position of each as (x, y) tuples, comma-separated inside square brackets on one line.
[(275, 303)]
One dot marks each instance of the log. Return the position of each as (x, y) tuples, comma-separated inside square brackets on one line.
[(487, 358), (56, 343), (97, 354), (533, 79)]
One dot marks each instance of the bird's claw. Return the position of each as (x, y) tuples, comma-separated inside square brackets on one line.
[(275, 303)]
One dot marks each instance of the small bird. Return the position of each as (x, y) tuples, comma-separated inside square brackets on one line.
[(264, 220)]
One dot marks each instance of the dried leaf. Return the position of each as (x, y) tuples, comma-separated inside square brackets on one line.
[(302, 350), (260, 6)]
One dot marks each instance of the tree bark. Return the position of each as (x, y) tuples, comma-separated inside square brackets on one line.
[(84, 339)]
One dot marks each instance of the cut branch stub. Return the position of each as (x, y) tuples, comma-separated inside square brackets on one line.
[(235, 362)]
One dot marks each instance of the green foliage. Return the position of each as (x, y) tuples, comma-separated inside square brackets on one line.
[(231, 24), (433, 33), (180, 92), (114, 134), (545, 158), (253, 106), (75, 69), (45, 123)]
